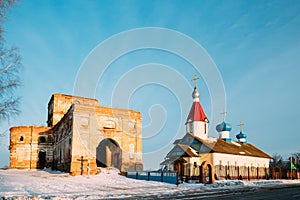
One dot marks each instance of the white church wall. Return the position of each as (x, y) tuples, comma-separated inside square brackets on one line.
[(234, 166), (224, 134), (240, 160), (199, 129)]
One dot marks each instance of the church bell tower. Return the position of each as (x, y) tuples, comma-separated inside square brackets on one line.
[(197, 122)]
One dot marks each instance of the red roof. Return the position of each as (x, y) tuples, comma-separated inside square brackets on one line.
[(196, 112)]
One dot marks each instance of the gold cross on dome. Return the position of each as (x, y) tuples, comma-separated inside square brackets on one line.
[(195, 80), (241, 126), (224, 115)]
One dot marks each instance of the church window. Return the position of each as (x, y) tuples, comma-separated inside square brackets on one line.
[(42, 139), (235, 163), (220, 164), (109, 124), (21, 139), (195, 164)]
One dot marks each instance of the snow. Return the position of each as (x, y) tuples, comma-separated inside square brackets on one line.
[(50, 184), (47, 184)]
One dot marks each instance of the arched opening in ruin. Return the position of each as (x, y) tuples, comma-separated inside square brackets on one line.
[(42, 159), (109, 154)]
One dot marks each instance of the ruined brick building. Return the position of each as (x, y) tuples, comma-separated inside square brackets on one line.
[(80, 136)]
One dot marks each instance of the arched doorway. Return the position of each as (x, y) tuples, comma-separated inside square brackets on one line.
[(42, 160), (207, 173), (109, 154)]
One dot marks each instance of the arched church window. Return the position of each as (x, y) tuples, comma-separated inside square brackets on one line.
[(109, 124), (195, 164), (21, 139), (42, 139)]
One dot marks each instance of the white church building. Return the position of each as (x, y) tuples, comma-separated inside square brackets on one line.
[(199, 157)]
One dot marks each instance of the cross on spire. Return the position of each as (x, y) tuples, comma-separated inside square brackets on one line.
[(195, 80), (241, 126), (224, 115)]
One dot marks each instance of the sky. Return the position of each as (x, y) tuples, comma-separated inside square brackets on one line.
[(248, 65)]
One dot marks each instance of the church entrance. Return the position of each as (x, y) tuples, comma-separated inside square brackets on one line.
[(109, 154), (42, 160), (206, 173)]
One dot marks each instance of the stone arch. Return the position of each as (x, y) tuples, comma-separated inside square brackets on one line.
[(109, 154), (42, 159), (207, 172)]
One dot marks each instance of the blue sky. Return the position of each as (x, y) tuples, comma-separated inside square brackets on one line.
[(254, 44)]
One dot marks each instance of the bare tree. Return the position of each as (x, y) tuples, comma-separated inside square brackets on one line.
[(276, 161), (5, 6), (10, 66)]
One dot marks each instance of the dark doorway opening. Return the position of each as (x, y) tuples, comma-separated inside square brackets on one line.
[(109, 154), (42, 160), (206, 173)]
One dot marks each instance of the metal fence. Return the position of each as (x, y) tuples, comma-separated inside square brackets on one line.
[(166, 177)]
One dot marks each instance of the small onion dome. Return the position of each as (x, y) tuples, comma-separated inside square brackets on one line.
[(223, 127), (196, 93), (241, 135)]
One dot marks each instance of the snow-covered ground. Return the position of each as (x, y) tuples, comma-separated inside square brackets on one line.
[(47, 184)]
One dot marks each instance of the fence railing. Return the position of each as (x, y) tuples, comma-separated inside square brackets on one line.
[(164, 176)]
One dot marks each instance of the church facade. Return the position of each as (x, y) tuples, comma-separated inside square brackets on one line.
[(200, 157), (80, 137)]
